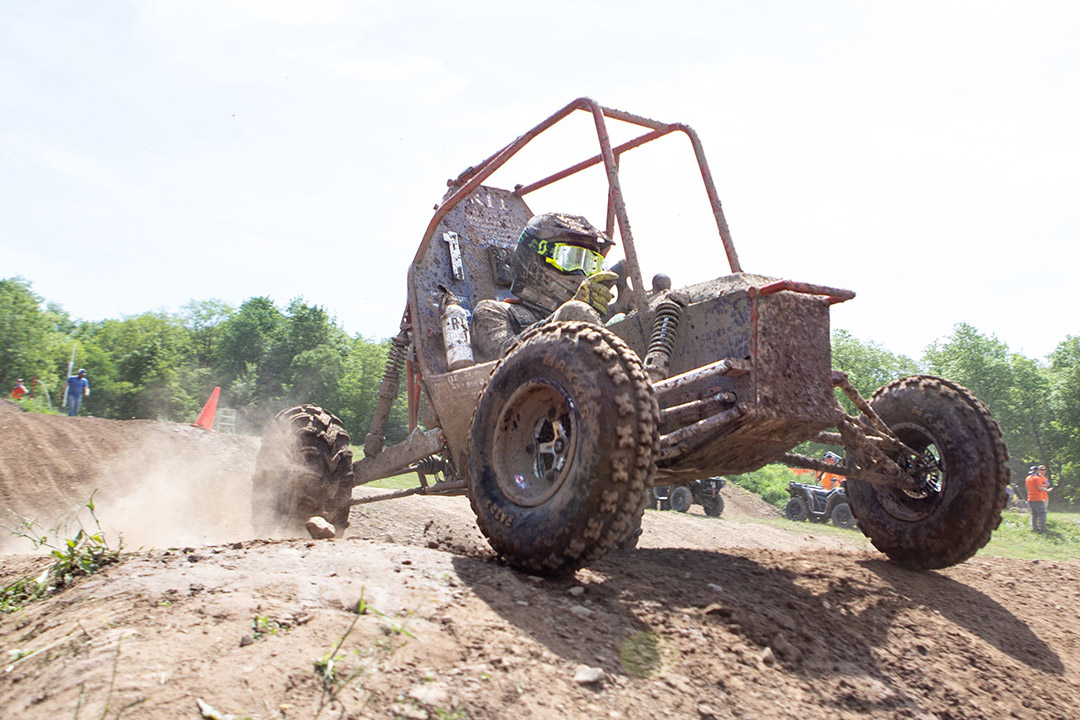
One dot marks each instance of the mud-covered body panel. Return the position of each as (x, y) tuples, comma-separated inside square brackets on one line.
[(785, 398), (486, 226)]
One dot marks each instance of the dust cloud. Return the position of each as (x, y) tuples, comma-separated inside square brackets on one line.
[(166, 496)]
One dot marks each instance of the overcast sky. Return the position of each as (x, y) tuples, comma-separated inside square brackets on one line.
[(923, 154)]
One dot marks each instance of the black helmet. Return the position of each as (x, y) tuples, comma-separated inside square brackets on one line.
[(82, 371), (556, 228), (554, 252)]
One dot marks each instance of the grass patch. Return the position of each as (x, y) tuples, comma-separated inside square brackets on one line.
[(39, 404), (397, 482), (1014, 538), (84, 553), (770, 482), (264, 625)]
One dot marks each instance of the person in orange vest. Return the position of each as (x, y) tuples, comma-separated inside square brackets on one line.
[(1038, 493), (20, 390), (831, 480)]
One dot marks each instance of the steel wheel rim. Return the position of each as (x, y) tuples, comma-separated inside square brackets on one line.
[(928, 465), (534, 442)]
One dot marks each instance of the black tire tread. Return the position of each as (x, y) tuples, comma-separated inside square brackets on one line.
[(842, 516), (961, 530), (714, 507), (303, 468), (796, 510), (639, 422), (681, 499)]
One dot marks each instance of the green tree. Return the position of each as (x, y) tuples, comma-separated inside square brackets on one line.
[(245, 337), (315, 375), (141, 374), (1030, 431), (204, 321), (358, 391), (1015, 388), (1065, 425), (978, 362), (32, 336), (868, 365)]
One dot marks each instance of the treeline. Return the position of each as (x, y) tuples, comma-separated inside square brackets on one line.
[(163, 366)]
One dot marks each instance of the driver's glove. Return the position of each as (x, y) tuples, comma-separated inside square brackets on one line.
[(595, 292)]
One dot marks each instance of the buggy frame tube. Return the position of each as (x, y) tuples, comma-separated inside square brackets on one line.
[(474, 176)]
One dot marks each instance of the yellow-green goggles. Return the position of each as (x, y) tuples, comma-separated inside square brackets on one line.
[(571, 258)]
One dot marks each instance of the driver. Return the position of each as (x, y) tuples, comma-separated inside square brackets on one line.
[(558, 275)]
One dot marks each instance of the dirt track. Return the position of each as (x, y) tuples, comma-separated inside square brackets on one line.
[(719, 618)]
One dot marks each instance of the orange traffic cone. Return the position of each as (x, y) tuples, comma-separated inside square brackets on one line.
[(206, 417)]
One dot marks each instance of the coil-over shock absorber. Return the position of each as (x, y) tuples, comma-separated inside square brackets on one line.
[(388, 391), (665, 331), (431, 465)]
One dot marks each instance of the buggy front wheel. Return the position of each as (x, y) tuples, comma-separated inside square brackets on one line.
[(959, 458), (563, 445)]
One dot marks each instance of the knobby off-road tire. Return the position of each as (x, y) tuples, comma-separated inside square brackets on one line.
[(681, 499), (714, 507), (564, 442), (303, 468), (630, 542), (796, 510), (962, 456), (842, 516)]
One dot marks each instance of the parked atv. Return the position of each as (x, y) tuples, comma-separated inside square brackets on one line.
[(815, 503), (556, 443), (699, 492)]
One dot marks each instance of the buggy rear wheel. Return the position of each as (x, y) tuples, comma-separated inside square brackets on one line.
[(303, 468), (960, 459), (563, 445)]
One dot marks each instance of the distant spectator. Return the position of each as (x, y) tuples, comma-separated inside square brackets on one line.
[(78, 387), (830, 480), (20, 390), (1038, 493)]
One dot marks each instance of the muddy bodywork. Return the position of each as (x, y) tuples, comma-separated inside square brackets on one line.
[(729, 375)]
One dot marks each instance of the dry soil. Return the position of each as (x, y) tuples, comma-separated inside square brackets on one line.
[(723, 617)]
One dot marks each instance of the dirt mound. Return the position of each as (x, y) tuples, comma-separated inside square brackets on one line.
[(711, 618)]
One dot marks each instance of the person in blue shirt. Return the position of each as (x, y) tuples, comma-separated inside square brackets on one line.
[(78, 387)]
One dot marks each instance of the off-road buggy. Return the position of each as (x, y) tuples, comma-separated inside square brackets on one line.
[(704, 492), (556, 443), (815, 503)]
